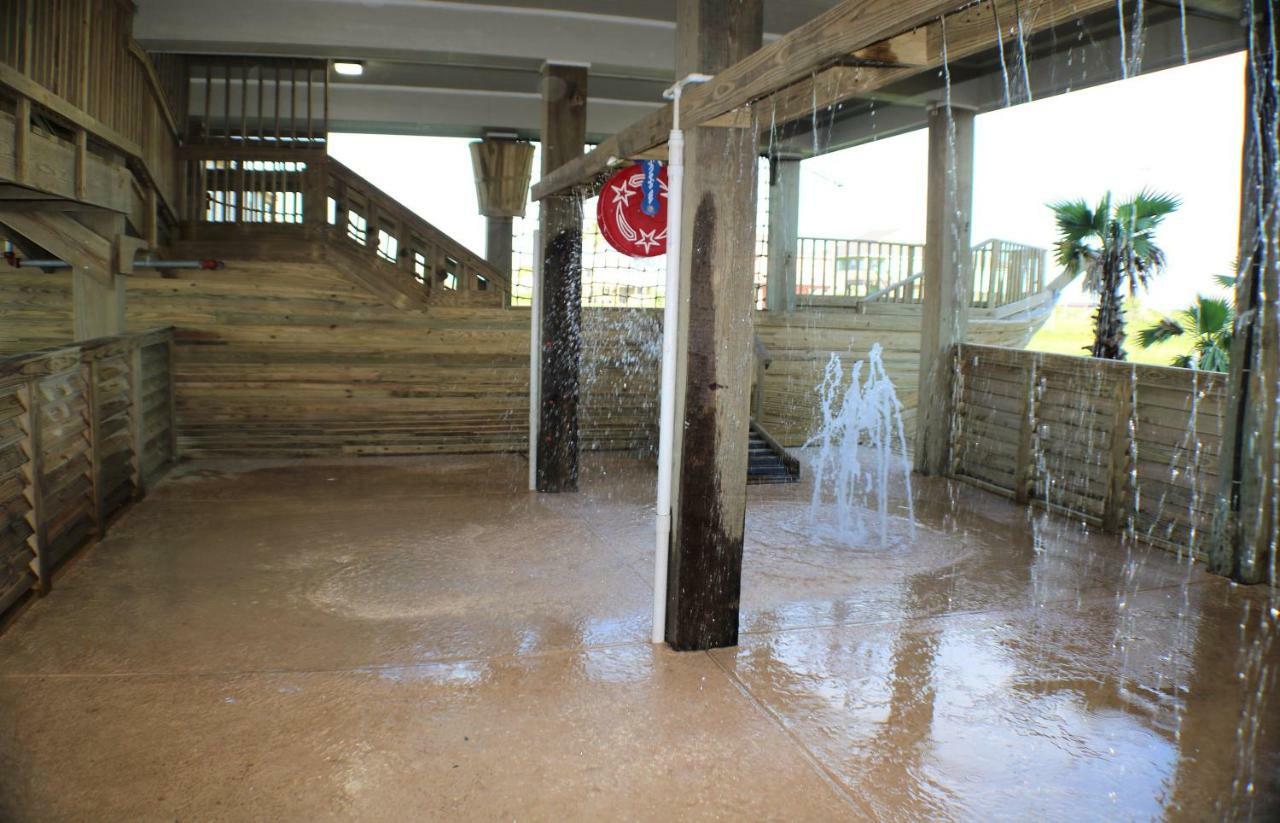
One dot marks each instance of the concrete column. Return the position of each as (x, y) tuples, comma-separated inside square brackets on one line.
[(784, 233), (497, 243), (1247, 527), (564, 133), (502, 167), (715, 341), (948, 278)]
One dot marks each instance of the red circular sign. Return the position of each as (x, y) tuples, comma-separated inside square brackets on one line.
[(622, 217)]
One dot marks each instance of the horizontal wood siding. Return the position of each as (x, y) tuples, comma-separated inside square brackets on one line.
[(303, 358), (800, 344), (1121, 445), (297, 359)]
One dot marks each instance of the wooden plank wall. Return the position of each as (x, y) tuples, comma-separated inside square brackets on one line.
[(300, 358), (1123, 446), (800, 344), (83, 430)]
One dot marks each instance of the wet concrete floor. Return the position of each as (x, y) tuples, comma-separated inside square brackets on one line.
[(423, 639)]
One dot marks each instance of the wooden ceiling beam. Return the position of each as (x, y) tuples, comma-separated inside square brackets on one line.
[(970, 30), (840, 31)]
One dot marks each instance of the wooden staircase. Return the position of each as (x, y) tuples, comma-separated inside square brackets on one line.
[(768, 462)]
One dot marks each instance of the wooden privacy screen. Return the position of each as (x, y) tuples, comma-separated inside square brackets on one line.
[(1123, 446), (83, 430)]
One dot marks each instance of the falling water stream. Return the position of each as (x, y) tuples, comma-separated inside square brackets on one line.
[(858, 463), (860, 443)]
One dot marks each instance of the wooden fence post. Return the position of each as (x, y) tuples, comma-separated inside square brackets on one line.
[(1024, 476), (136, 428), (1119, 486), (173, 397), (89, 369), (38, 541)]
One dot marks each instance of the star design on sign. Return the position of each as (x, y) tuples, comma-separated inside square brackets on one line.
[(647, 240), (623, 193)]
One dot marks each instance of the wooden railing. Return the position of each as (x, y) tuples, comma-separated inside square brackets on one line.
[(1005, 272), (266, 102), (83, 430), (1123, 446), (75, 63), (832, 272), (233, 195)]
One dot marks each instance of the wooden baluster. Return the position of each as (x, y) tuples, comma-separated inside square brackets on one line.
[(28, 38)]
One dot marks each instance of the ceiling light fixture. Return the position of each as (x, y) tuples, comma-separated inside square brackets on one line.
[(348, 68)]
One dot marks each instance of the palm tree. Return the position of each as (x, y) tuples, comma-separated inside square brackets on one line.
[(1114, 247), (1209, 320)]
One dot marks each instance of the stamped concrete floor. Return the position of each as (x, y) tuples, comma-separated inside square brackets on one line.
[(422, 639)]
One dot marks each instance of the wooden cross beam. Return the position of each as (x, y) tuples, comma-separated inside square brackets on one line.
[(854, 50)]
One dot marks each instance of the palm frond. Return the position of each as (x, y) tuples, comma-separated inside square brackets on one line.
[(1160, 331), (1212, 315), (1227, 281)]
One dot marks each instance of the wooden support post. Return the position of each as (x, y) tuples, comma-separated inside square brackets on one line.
[(82, 164), (948, 278), (151, 217), (564, 130), (22, 141), (784, 234), (714, 347), (98, 294), (1246, 525)]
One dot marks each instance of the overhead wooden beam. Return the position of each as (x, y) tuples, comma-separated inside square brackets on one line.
[(65, 237), (913, 44)]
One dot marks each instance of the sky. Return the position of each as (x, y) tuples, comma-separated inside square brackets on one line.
[(1177, 130)]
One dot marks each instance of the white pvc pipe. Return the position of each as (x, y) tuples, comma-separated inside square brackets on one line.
[(535, 359), (670, 325)]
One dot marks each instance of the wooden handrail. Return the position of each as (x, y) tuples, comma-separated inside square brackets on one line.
[(408, 228), (876, 295), (1004, 273)]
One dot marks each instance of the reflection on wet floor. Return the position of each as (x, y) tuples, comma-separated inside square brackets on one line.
[(406, 639)]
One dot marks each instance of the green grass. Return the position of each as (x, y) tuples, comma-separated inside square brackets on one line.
[(1069, 330)]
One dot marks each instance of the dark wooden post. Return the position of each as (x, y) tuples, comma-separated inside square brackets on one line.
[(564, 134), (1245, 527), (715, 341), (948, 279)]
